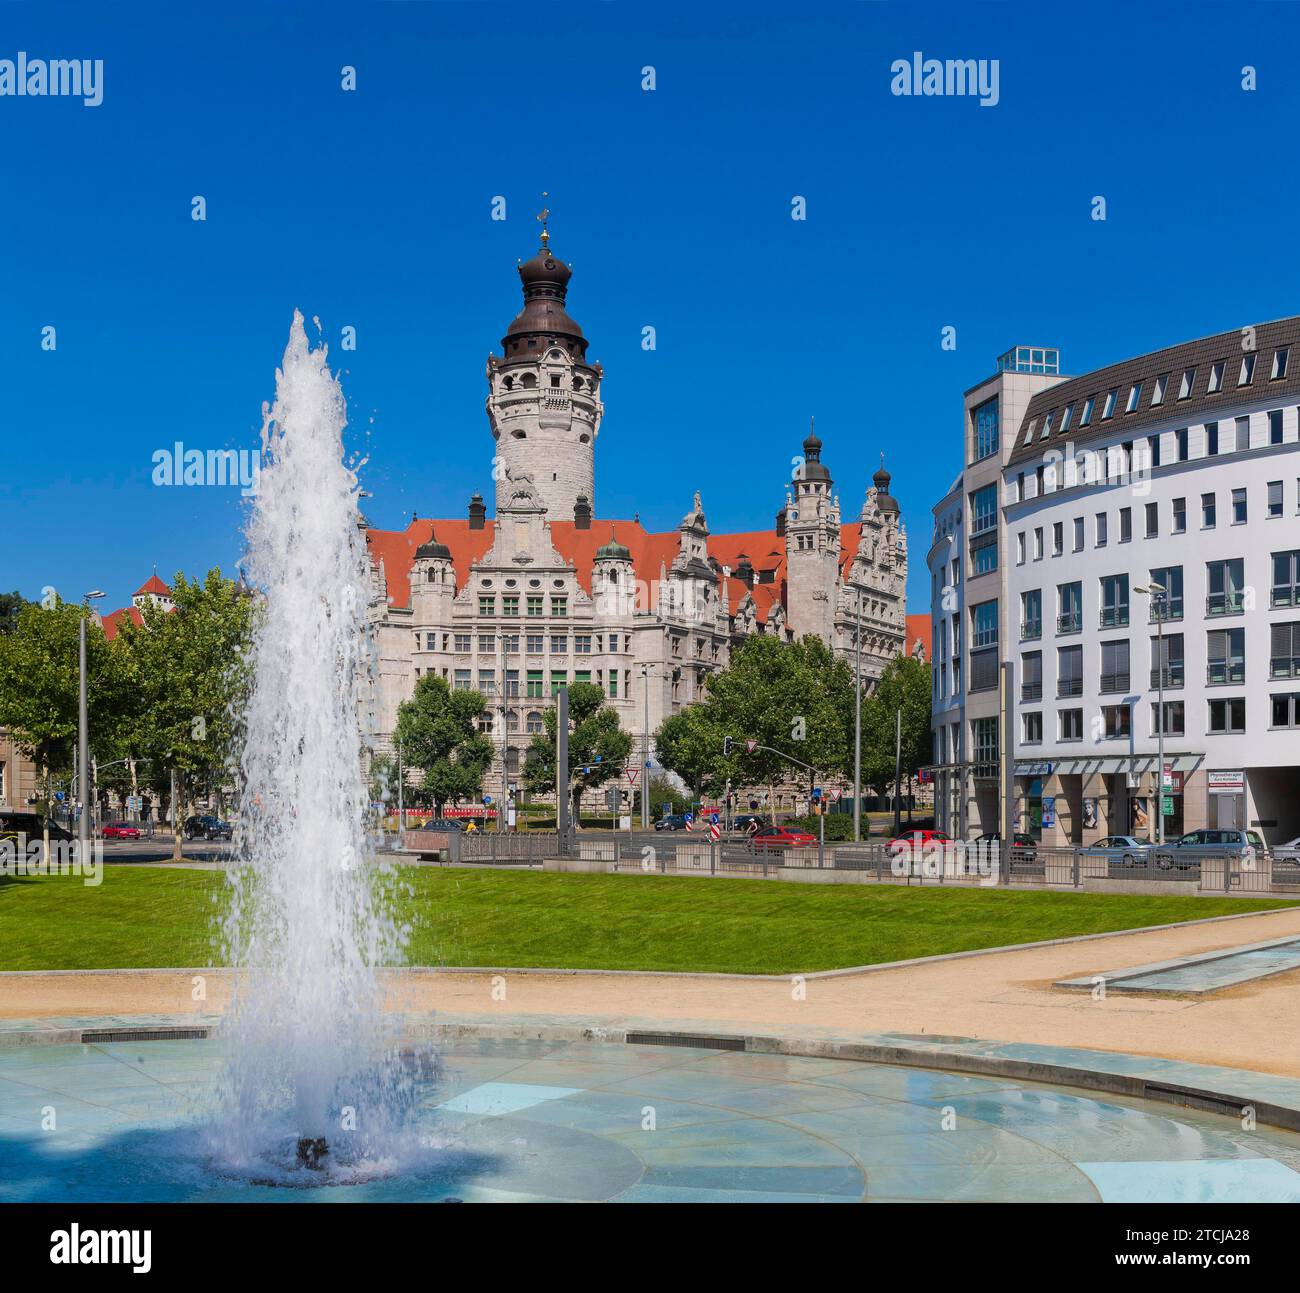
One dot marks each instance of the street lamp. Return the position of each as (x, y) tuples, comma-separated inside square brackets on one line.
[(83, 737), (1157, 594), (857, 727), (645, 762)]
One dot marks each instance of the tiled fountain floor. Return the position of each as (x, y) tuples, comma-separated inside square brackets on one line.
[(514, 1119), (1207, 972)]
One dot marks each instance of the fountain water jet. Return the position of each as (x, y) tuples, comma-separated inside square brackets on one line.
[(306, 926)]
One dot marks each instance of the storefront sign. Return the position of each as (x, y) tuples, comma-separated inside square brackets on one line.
[(1225, 783), (1090, 813), (1034, 769)]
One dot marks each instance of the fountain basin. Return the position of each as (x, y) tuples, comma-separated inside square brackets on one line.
[(526, 1120)]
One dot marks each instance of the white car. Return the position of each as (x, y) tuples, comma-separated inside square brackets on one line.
[(1125, 849), (1288, 852)]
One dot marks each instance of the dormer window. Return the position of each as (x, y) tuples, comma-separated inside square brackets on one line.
[(1134, 395), (1247, 374), (1158, 390), (1088, 405), (1280, 357), (1111, 396), (1189, 380), (1216, 379)]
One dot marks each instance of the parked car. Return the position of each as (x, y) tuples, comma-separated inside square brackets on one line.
[(1189, 850), (746, 823), (205, 826), (919, 838), (31, 826), (443, 824), (120, 831), (1289, 851), (673, 822), (1125, 849), (767, 839)]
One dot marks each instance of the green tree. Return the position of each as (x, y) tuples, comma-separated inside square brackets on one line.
[(438, 732), (188, 670), (39, 686), (598, 746), (794, 698), (10, 606), (903, 687)]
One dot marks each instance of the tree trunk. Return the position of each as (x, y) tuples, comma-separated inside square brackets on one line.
[(178, 819)]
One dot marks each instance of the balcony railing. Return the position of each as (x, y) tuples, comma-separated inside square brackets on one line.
[(1114, 682), (1113, 617), (1284, 666), (1070, 623), (1285, 595), (1161, 613), (1031, 691), (1069, 687), (1032, 630), (1173, 677), (1224, 604), (1222, 672)]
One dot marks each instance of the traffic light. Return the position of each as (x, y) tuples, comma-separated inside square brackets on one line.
[(726, 746)]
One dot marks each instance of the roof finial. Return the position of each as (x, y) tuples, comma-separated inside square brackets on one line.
[(542, 216), (882, 460)]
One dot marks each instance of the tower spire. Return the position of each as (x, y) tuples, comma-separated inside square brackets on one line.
[(542, 217)]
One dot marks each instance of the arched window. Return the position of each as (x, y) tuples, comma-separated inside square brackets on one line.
[(534, 722), (528, 381), (512, 720)]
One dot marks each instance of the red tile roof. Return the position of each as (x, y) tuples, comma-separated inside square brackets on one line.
[(918, 630), (112, 622), (153, 585), (764, 548)]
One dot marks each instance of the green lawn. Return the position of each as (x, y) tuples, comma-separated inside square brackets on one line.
[(152, 916)]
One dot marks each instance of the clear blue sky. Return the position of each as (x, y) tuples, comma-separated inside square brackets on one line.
[(372, 209)]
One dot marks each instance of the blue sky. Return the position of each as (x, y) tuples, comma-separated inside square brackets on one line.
[(372, 209)]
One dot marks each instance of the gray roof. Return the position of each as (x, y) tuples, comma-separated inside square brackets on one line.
[(1171, 363)]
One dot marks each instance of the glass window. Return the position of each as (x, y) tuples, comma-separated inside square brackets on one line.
[(559, 678), (984, 624), (1225, 582), (1242, 438), (1286, 578), (1114, 601), (1216, 378), (1031, 676), (461, 680), (1069, 671), (986, 429), (1239, 507), (487, 681), (1078, 534), (582, 643), (1274, 508), (1181, 444), (536, 605), (1275, 426), (1211, 439), (1226, 655), (1174, 724), (487, 604), (1228, 715), (1125, 524), (984, 509), (534, 682), (1031, 614), (1169, 606), (559, 607), (1280, 357), (1071, 724), (1087, 410), (1185, 386), (487, 643), (1134, 395), (1158, 389), (1152, 520), (1247, 373), (1286, 710), (1111, 396), (559, 644), (1115, 722), (1167, 660), (1180, 516), (533, 723), (984, 740), (1284, 650), (509, 604), (1208, 515), (1069, 604), (1101, 530), (1114, 666), (463, 642)]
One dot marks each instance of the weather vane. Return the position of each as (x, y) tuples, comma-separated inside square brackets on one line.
[(542, 216)]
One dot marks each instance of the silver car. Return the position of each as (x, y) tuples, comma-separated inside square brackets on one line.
[(1127, 850)]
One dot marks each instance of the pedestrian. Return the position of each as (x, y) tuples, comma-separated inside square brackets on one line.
[(146, 811)]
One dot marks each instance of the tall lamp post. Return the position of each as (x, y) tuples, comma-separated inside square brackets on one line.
[(1157, 593), (83, 728), (645, 762), (857, 727)]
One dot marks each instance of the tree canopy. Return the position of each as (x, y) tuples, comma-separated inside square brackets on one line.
[(437, 730), (598, 746)]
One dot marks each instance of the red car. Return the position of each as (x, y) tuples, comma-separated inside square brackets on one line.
[(120, 831), (768, 838), (920, 838)]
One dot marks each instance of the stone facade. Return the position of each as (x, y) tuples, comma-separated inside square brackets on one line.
[(544, 594)]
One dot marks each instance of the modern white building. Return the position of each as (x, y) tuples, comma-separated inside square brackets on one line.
[(1178, 471), (969, 609)]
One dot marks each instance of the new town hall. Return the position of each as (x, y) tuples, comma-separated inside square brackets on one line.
[(545, 594)]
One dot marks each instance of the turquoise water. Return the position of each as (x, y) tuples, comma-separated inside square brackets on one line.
[(532, 1120)]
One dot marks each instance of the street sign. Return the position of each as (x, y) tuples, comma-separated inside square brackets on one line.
[(59, 795), (713, 817), (631, 776), (714, 832), (1167, 805), (487, 799), (750, 746)]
